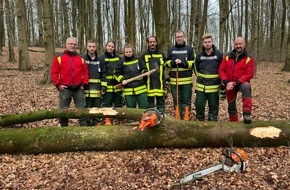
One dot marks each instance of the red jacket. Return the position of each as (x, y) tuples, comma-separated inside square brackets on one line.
[(69, 70), (237, 69)]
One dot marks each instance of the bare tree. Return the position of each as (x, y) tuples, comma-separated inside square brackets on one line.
[(48, 39), (272, 30), (161, 24), (65, 19), (40, 22), (24, 63), (287, 61), (283, 27), (9, 34), (99, 24), (1, 27)]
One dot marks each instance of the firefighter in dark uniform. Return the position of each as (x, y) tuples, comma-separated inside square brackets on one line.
[(180, 60), (113, 95), (135, 92), (97, 79), (155, 59), (208, 81)]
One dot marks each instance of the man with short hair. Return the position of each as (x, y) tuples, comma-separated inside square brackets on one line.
[(154, 58), (236, 71), (97, 80), (208, 81), (180, 61), (69, 73)]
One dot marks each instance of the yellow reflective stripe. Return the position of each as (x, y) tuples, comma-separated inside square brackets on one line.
[(93, 93), (83, 61), (207, 87), (168, 63), (227, 58), (248, 60), (136, 91), (180, 69), (190, 63), (111, 88), (119, 78), (59, 60), (95, 80), (131, 62), (112, 59), (155, 92), (147, 57), (181, 79), (110, 77), (208, 76), (206, 90), (103, 83)]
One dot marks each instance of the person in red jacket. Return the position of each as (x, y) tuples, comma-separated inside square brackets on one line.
[(69, 73), (236, 71)]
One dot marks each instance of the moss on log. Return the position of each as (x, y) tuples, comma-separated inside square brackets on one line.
[(170, 133)]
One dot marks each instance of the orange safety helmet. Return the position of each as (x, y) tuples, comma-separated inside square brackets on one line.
[(150, 118)]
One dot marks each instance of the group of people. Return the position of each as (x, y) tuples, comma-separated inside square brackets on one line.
[(93, 81)]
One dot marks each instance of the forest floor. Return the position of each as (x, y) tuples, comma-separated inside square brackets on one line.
[(269, 167)]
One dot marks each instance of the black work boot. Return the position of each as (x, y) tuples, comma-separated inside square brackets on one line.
[(247, 119)]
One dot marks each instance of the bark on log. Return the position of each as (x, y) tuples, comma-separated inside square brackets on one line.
[(120, 113), (170, 133)]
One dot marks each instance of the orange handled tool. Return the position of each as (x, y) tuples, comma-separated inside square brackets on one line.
[(177, 115)]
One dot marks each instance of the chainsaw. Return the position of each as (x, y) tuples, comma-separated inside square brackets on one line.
[(150, 118), (235, 161)]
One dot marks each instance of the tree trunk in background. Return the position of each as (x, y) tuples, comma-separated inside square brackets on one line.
[(224, 12), (254, 41), (90, 22), (287, 61), (161, 24), (1, 27), (170, 133), (9, 34), (203, 22), (191, 24), (261, 30), (272, 29), (48, 40), (40, 22), (58, 39), (131, 24), (24, 63), (247, 20), (65, 19), (75, 18), (99, 24), (197, 23), (82, 26), (31, 25), (283, 28)]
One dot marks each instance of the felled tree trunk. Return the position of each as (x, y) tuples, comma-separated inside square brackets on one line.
[(170, 133)]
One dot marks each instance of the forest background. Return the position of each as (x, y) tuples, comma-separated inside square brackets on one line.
[(47, 23)]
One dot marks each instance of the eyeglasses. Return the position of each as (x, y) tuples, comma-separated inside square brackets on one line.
[(71, 44), (179, 36)]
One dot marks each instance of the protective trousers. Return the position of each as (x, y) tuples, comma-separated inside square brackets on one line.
[(141, 99), (184, 99), (246, 90), (65, 97), (111, 99), (160, 103), (213, 105)]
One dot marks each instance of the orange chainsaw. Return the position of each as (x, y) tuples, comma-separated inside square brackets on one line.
[(150, 118), (235, 161)]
